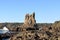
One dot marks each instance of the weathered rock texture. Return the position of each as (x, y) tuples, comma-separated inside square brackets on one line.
[(30, 20), (30, 30)]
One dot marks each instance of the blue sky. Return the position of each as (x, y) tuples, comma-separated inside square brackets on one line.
[(47, 11)]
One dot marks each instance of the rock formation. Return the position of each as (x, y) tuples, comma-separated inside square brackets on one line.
[(30, 20), (30, 30)]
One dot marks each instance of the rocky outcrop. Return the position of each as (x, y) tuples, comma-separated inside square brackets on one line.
[(30, 30), (29, 20)]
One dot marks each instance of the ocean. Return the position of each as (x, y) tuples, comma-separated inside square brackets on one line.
[(5, 39), (3, 32)]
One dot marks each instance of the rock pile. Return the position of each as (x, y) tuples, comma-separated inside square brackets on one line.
[(30, 30)]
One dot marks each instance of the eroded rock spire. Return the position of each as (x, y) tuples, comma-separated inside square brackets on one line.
[(30, 19)]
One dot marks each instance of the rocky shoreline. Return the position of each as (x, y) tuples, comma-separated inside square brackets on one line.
[(30, 30)]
